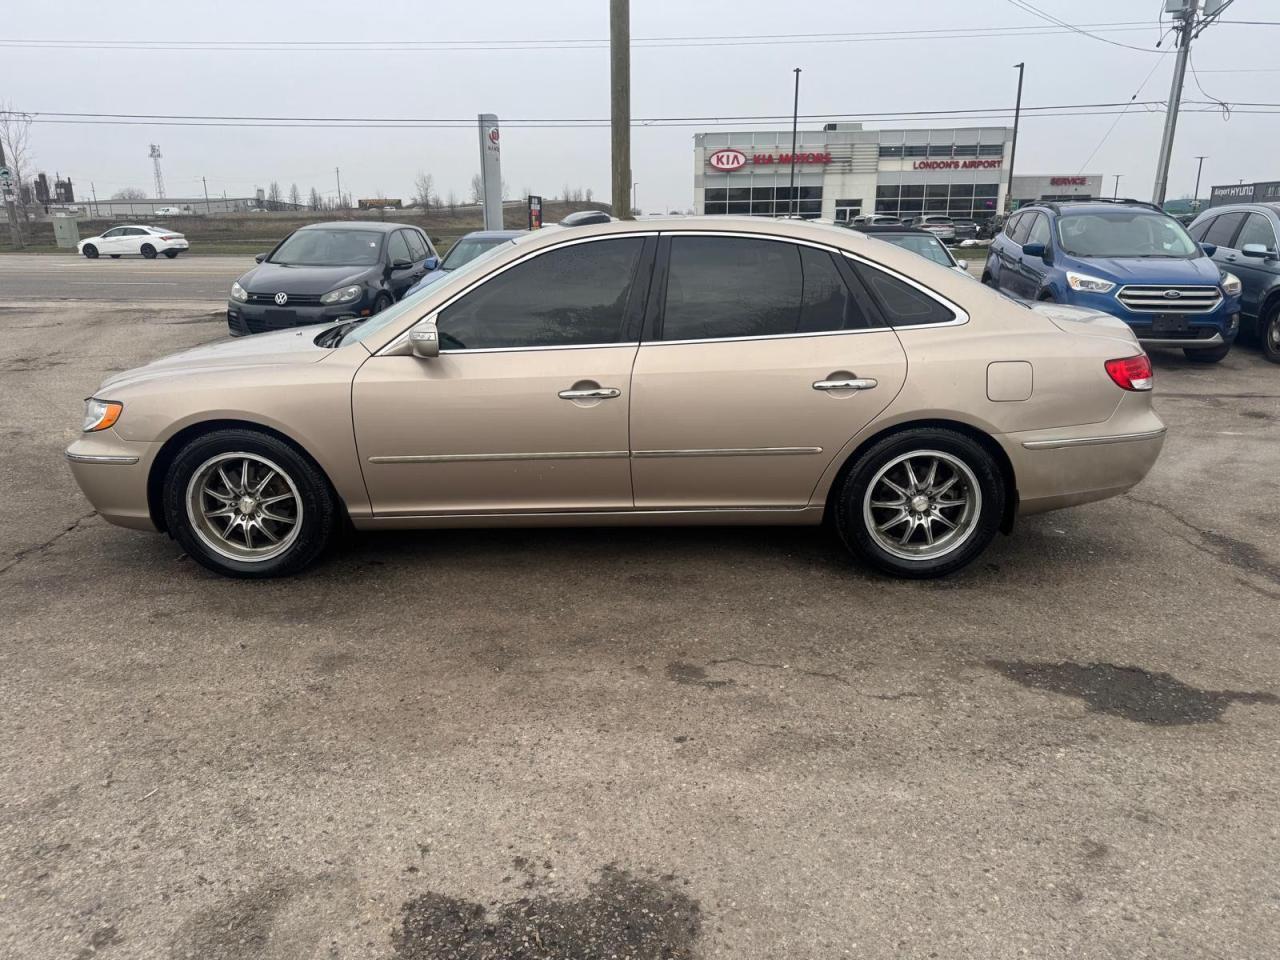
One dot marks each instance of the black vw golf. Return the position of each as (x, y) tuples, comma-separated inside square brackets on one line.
[(329, 271)]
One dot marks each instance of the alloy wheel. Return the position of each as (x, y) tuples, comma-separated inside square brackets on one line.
[(244, 506), (922, 505)]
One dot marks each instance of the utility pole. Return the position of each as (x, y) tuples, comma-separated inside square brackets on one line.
[(620, 104), (94, 190), (795, 122), (206, 194), (1195, 194), (1013, 148), (15, 228), (338, 173), (1115, 194), (635, 203), (1186, 32)]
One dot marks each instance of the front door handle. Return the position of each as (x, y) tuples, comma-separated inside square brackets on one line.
[(852, 384), (593, 393)]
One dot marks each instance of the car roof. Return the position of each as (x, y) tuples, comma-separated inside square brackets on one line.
[(380, 226), (494, 234), (892, 228), (1238, 207)]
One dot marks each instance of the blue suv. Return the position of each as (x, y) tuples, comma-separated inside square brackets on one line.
[(1126, 258)]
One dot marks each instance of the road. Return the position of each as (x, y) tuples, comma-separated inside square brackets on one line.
[(69, 277), (720, 743)]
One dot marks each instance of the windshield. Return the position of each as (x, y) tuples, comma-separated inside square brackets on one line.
[(410, 304), (1124, 234), (467, 249), (930, 247), (328, 248)]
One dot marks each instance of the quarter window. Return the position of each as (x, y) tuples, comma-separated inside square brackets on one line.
[(827, 303), (569, 296), (1223, 229), (1257, 229), (902, 304)]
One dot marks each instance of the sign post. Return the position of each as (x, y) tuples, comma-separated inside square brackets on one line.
[(535, 212), (491, 171)]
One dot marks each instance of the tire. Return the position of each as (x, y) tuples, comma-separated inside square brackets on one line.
[(1208, 356), (115, 256), (1269, 334), (871, 533), (298, 507), (171, 254), (148, 251), (381, 303), (90, 251)]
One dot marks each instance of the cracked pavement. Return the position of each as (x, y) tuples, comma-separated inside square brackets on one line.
[(702, 743)]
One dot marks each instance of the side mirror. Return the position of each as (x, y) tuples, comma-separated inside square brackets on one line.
[(1257, 250), (259, 258), (424, 340), (401, 264), (962, 264), (1035, 250), (431, 263), (1209, 249)]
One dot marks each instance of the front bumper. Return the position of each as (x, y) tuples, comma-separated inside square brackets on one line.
[(112, 474), (246, 318)]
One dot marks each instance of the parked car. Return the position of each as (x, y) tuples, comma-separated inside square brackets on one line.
[(873, 220), (169, 212), (133, 240), (747, 371), (943, 228), (990, 227), (1244, 237), (330, 271), (965, 230), (918, 241), (465, 250), (1126, 258)]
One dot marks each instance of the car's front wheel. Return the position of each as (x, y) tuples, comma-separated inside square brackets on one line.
[(247, 504), (1208, 356), (90, 251), (921, 503), (1269, 334), (381, 303)]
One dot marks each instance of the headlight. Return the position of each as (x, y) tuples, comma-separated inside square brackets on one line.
[(100, 414), (345, 295), (238, 292), (1230, 284), (1087, 284)]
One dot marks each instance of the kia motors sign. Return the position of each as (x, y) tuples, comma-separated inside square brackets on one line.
[(727, 160)]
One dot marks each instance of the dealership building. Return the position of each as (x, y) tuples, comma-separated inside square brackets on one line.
[(842, 171)]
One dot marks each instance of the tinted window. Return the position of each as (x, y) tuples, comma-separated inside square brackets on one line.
[(731, 287), (573, 295), (417, 246), (1039, 232), (827, 302), (1224, 229), (1200, 229), (1022, 228), (1257, 229), (903, 304), (398, 248)]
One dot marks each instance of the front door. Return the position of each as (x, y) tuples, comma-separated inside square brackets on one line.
[(761, 366), (1257, 274), (526, 407)]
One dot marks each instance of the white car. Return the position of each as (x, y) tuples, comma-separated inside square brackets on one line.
[(134, 241), (169, 212)]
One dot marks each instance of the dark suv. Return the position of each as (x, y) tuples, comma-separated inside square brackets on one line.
[(329, 271), (1244, 235), (1126, 258)]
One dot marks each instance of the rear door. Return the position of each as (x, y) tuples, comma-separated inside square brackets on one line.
[(761, 359)]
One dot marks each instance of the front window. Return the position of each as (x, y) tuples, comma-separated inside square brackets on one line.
[(328, 248), (930, 247), (1124, 234), (467, 249)]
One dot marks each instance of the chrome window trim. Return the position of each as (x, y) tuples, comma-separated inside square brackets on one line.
[(491, 457), (1057, 442), (403, 336)]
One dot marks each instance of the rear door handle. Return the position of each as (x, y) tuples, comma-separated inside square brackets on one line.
[(595, 393), (855, 384)]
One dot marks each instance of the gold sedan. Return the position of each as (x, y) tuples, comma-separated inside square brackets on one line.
[(692, 371)]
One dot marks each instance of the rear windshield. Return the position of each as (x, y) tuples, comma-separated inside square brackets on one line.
[(1124, 233), (930, 247), (316, 248)]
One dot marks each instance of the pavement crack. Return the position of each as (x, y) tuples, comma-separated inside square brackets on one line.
[(27, 552), (781, 666)]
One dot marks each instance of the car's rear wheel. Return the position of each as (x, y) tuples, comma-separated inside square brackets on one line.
[(1269, 334), (115, 256), (1208, 356), (90, 251), (921, 503), (148, 251), (247, 504), (171, 254)]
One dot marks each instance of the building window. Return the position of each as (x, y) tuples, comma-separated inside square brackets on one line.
[(890, 151), (991, 150), (966, 150), (940, 151), (717, 195), (846, 210), (919, 150)]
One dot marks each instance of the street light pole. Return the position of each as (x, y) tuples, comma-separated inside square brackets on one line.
[(1013, 148), (795, 122), (1115, 194), (205, 181), (1195, 195), (635, 204)]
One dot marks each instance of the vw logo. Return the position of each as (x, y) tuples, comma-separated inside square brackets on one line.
[(1172, 294), (281, 299)]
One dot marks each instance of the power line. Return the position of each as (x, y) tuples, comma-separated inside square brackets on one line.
[(1027, 7)]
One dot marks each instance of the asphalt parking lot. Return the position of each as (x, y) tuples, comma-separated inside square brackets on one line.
[(639, 743)]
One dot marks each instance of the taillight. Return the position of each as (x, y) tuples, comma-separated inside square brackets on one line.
[(171, 238), (1132, 373)]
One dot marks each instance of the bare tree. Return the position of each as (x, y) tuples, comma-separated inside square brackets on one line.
[(424, 190), (565, 193), (273, 195), (15, 132), (314, 201), (588, 194), (129, 193), (477, 189), (506, 191), (295, 197), (452, 202)]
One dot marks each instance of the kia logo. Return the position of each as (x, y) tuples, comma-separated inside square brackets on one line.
[(728, 160), (493, 134), (1172, 294), (281, 299)]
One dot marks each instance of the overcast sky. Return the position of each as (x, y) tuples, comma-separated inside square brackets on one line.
[(838, 78)]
